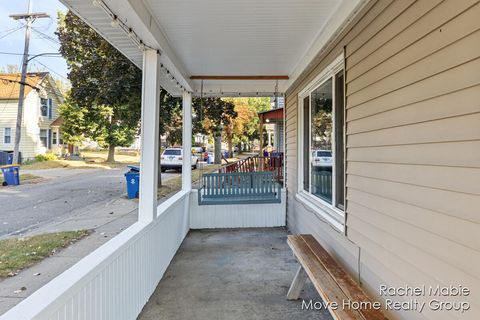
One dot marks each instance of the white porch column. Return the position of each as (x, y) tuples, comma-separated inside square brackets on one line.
[(147, 208), (187, 142)]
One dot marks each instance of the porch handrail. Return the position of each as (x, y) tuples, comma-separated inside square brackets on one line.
[(257, 163)]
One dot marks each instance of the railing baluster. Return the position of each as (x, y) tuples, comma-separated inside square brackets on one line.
[(246, 187)]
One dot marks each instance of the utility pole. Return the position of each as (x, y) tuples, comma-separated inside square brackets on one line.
[(29, 17)]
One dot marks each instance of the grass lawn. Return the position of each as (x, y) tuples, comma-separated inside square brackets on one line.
[(175, 184), (92, 160), (19, 253), (23, 177)]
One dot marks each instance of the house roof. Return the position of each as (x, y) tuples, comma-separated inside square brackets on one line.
[(272, 114), (10, 86), (57, 122)]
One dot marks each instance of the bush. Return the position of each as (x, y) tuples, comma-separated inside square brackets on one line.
[(45, 157)]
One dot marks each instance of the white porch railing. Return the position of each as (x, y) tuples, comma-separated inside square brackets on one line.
[(116, 280)]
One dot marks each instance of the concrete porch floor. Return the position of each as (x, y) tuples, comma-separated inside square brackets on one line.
[(231, 274)]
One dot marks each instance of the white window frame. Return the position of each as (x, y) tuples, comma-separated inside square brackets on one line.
[(326, 211), (5, 135), (46, 136), (49, 106), (41, 105)]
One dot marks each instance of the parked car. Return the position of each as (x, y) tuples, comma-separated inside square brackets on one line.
[(322, 158), (172, 158), (204, 156), (201, 153)]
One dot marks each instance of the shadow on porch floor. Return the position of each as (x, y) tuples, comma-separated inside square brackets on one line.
[(231, 274)]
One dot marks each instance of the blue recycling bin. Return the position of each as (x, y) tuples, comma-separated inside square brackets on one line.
[(133, 182), (11, 175)]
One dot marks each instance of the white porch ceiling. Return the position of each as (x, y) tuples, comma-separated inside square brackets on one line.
[(238, 37), (223, 37)]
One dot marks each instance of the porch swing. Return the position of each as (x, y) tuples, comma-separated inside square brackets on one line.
[(225, 188)]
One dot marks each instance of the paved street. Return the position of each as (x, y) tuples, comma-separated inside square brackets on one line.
[(66, 199), (64, 193)]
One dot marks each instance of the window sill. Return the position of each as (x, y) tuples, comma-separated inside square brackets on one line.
[(333, 217)]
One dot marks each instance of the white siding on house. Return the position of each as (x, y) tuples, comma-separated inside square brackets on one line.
[(413, 149), (8, 119), (32, 120)]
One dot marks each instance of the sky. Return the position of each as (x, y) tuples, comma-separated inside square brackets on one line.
[(14, 42)]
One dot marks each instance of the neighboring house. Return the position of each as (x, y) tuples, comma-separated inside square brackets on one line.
[(40, 124), (272, 121)]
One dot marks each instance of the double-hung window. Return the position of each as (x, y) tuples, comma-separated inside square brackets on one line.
[(46, 106), (322, 144), (44, 137), (7, 135)]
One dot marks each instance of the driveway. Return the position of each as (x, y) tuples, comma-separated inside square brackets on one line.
[(62, 194)]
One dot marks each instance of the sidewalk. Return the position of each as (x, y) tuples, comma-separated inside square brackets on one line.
[(107, 222), (106, 219)]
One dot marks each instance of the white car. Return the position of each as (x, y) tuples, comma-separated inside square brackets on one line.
[(322, 158), (172, 158)]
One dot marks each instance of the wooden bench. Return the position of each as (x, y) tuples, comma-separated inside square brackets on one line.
[(239, 188), (330, 280)]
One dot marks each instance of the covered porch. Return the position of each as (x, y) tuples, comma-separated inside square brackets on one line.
[(231, 274), (244, 55)]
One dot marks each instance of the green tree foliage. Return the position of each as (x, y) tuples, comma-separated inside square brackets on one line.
[(106, 86), (171, 118), (74, 124), (244, 128), (212, 114)]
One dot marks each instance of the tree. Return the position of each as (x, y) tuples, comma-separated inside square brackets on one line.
[(105, 84), (212, 116), (74, 124), (12, 68), (245, 127), (170, 118), (239, 129)]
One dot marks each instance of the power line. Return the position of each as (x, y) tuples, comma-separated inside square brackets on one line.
[(9, 96), (47, 54), (9, 33), (50, 69), (5, 80), (11, 29), (29, 18), (45, 36), (11, 53)]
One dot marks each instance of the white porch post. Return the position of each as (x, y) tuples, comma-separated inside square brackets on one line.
[(147, 208), (187, 142)]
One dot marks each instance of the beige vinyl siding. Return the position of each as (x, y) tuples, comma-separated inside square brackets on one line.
[(413, 149)]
